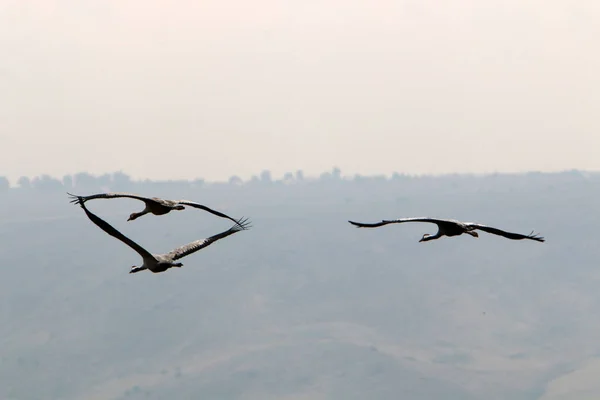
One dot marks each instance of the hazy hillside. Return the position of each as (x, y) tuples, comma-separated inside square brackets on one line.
[(304, 305)]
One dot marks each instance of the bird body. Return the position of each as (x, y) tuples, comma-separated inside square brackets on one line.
[(161, 262), (451, 227), (154, 205)]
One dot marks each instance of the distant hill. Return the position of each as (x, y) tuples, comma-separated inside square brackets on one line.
[(304, 305)]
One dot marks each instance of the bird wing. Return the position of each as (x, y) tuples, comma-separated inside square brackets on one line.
[(210, 210), (509, 235), (111, 195), (401, 220), (190, 248), (108, 228)]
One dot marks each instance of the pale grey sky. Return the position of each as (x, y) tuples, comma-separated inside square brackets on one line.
[(213, 88)]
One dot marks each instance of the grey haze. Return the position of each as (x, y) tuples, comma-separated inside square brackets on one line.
[(304, 305)]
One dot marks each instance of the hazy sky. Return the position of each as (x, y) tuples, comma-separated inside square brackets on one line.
[(213, 88)]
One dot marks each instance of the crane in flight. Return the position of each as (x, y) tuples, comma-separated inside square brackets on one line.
[(451, 227)]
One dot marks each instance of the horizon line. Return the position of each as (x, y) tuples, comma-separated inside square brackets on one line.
[(305, 177)]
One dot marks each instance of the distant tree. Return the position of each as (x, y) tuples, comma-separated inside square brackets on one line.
[(254, 180), (121, 181), (236, 180), (325, 176), (396, 176), (24, 182), (83, 180), (104, 181), (67, 182), (4, 184), (359, 178), (288, 177), (265, 176), (46, 182), (336, 173), (299, 175)]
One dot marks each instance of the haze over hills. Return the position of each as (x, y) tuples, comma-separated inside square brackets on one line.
[(304, 305)]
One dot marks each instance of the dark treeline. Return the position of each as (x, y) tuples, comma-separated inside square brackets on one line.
[(119, 181)]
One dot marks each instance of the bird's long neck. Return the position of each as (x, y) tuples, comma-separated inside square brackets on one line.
[(139, 214), (427, 238)]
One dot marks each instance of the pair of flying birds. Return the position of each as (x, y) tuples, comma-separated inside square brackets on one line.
[(154, 205), (162, 262)]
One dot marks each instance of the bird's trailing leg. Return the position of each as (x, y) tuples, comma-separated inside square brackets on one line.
[(76, 199), (472, 233)]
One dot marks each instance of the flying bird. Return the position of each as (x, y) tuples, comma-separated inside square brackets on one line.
[(154, 205), (452, 227), (162, 262)]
